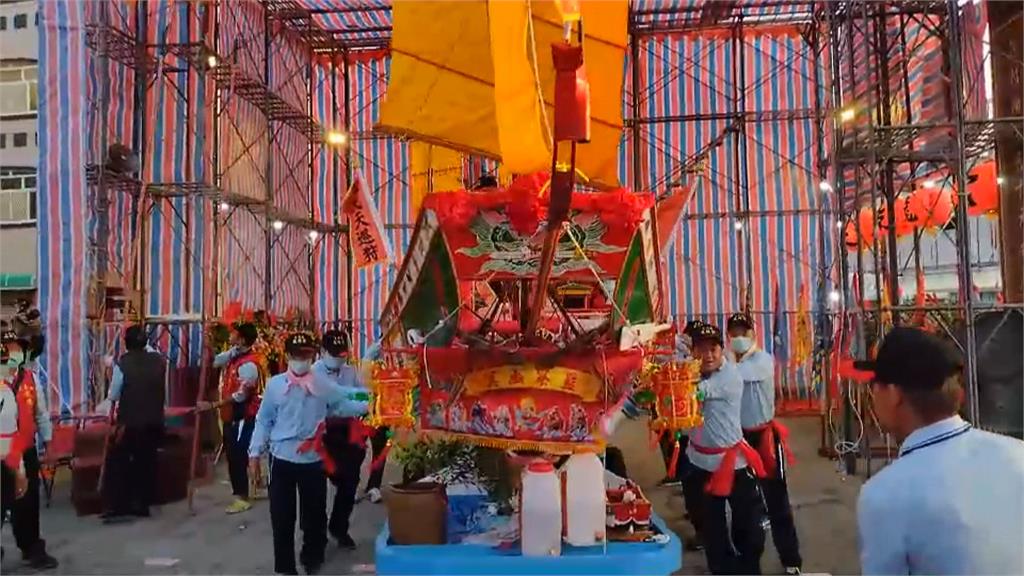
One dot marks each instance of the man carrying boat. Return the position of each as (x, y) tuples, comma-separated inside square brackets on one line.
[(767, 435), (721, 483)]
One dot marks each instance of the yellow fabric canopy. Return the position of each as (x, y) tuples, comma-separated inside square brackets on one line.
[(476, 76)]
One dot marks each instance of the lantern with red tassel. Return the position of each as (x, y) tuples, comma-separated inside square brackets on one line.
[(675, 387), (392, 403)]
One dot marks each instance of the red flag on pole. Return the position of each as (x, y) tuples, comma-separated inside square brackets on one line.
[(367, 239)]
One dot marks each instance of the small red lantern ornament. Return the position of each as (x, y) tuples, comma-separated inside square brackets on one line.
[(675, 387), (392, 403)]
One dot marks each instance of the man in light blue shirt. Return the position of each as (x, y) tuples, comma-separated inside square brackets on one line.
[(343, 420), (727, 509), (953, 502), (294, 406)]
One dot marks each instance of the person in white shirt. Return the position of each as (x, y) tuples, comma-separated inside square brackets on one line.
[(766, 435), (953, 502)]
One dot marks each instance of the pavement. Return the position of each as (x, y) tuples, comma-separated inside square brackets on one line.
[(208, 541)]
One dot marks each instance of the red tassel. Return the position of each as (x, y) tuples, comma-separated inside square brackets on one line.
[(674, 461), (655, 438), (379, 461)]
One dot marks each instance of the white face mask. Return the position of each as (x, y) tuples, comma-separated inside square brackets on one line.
[(333, 362), (298, 367), (741, 344)]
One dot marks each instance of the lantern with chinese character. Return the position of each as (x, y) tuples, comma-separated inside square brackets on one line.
[(392, 403), (675, 386)]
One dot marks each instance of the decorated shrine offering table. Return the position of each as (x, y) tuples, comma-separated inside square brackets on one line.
[(454, 559)]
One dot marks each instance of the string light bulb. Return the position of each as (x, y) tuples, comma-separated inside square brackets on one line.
[(278, 225), (847, 114), (833, 297), (839, 224), (224, 207), (313, 234), (824, 186), (738, 226), (1000, 180), (211, 61)]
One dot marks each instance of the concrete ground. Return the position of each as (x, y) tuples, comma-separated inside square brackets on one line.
[(210, 542)]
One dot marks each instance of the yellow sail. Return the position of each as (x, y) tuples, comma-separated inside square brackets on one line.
[(476, 76)]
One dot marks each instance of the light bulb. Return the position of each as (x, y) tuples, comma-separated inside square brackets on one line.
[(824, 186), (313, 235), (224, 207), (847, 114), (833, 297), (211, 61), (839, 224), (738, 226), (336, 138), (1000, 180), (278, 225), (930, 184)]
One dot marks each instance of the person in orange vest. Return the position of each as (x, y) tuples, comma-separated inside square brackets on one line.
[(19, 408), (768, 436), (721, 483), (242, 383)]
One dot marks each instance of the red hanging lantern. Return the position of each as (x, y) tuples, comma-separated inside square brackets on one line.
[(865, 222), (903, 225), (983, 189), (932, 207)]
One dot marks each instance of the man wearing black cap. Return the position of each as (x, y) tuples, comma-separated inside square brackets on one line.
[(721, 484), (138, 388), (289, 423), (241, 386), (763, 432), (19, 412), (343, 438), (953, 502)]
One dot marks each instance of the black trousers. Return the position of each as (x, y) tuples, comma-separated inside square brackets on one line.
[(348, 458), (377, 443), (730, 527), (780, 512), (237, 435), (25, 510), (307, 480), (129, 481)]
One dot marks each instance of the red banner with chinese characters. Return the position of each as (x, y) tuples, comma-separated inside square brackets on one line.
[(367, 240), (542, 399)]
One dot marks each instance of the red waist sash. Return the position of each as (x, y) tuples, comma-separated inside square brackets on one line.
[(721, 481), (766, 445), (316, 444)]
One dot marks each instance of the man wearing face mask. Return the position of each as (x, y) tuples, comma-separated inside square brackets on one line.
[(19, 406), (344, 438), (767, 435), (241, 386), (721, 484), (294, 407)]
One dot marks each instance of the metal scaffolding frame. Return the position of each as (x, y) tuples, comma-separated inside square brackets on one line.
[(878, 157), (880, 151)]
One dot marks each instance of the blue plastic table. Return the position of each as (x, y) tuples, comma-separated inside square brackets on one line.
[(454, 559)]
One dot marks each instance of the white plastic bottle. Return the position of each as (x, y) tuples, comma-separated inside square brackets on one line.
[(540, 520), (584, 500)]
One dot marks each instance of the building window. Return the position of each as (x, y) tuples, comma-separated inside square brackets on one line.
[(3, 140), (20, 21), (19, 90), (3, 22), (20, 139), (18, 195)]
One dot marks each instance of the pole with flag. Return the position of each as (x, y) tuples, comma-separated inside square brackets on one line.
[(368, 242)]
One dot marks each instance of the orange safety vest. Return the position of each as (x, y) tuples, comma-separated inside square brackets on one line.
[(232, 383), (24, 388)]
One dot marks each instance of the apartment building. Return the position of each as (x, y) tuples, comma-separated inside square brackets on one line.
[(19, 150)]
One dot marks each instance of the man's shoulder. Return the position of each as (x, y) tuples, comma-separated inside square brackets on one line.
[(277, 382)]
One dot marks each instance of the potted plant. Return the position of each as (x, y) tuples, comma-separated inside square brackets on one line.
[(418, 506)]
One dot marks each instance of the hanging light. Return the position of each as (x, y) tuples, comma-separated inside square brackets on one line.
[(824, 186), (738, 226), (833, 297), (313, 234), (224, 207), (211, 61), (278, 225), (1000, 180), (839, 224), (847, 114), (337, 138)]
